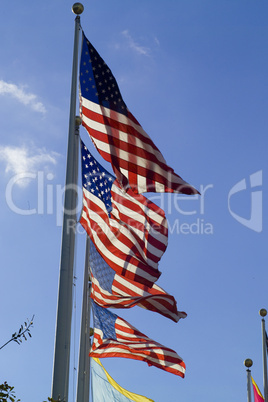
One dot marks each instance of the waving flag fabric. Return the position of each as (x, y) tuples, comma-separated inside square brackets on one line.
[(110, 290), (257, 393), (129, 231), (115, 337), (104, 387), (116, 133)]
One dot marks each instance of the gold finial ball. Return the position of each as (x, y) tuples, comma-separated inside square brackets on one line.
[(78, 120), (77, 8), (263, 312), (248, 363)]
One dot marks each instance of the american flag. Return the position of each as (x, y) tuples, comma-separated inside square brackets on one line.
[(110, 290), (117, 135), (115, 337), (129, 231)]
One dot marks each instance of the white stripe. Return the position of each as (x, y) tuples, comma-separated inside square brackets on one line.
[(141, 182), (160, 188)]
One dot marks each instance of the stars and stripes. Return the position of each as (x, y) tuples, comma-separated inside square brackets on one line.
[(115, 337), (129, 231), (116, 133), (110, 290)]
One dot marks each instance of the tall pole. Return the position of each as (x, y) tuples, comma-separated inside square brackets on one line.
[(83, 379), (263, 313), (248, 363), (60, 382)]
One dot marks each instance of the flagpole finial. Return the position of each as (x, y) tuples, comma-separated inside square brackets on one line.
[(263, 312), (78, 120), (77, 8), (248, 363)]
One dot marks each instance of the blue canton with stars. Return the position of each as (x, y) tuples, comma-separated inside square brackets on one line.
[(97, 82), (100, 269), (104, 320), (96, 179)]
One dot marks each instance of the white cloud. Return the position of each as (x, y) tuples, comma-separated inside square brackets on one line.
[(133, 45), (157, 41), (22, 96), (22, 160)]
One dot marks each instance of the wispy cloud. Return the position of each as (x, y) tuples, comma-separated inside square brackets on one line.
[(20, 94), (133, 45), (23, 160), (157, 41)]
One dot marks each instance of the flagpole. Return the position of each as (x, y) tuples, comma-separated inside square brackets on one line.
[(83, 379), (263, 313), (248, 363), (60, 381)]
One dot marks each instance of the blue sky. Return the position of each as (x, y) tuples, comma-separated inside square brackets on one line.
[(194, 74)]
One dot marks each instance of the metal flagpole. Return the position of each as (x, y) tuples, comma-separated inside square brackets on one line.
[(83, 379), (248, 363), (263, 313), (60, 382)]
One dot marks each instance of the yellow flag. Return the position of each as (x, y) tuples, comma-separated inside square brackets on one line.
[(105, 388)]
